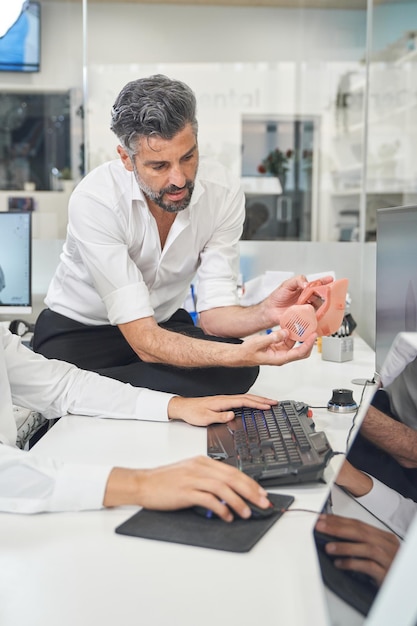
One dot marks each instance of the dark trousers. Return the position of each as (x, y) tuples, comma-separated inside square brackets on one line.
[(103, 349), (367, 457)]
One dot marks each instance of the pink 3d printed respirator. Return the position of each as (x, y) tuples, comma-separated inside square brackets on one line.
[(303, 318)]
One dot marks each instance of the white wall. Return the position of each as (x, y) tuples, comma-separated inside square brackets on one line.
[(142, 33), (238, 60)]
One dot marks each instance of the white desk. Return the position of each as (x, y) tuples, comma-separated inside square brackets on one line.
[(71, 568)]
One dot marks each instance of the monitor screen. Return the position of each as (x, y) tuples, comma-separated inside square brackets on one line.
[(15, 262), (396, 277), (20, 46)]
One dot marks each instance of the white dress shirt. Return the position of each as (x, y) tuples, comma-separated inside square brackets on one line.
[(29, 484), (389, 507), (112, 267)]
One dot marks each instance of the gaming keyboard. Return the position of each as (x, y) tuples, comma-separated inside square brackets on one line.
[(278, 446)]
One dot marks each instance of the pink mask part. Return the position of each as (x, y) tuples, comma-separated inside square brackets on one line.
[(300, 321), (328, 315), (330, 318)]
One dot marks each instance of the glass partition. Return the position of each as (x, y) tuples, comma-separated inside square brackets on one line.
[(391, 167), (41, 127), (292, 80), (280, 81), (41, 98)]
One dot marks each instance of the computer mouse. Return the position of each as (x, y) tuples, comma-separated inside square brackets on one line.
[(257, 512), (323, 538)]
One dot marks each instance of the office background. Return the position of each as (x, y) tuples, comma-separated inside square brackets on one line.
[(330, 83)]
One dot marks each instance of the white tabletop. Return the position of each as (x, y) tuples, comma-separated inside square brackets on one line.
[(71, 568)]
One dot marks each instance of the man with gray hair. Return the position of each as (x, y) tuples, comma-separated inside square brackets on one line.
[(141, 228)]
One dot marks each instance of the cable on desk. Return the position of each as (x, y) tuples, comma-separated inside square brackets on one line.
[(301, 511), (327, 507), (367, 382)]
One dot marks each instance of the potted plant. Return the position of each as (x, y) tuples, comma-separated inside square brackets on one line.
[(276, 164)]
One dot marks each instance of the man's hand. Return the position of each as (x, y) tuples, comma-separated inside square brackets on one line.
[(286, 295), (198, 481), (370, 550), (213, 409), (276, 348)]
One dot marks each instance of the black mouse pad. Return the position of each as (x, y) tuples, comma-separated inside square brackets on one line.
[(189, 528)]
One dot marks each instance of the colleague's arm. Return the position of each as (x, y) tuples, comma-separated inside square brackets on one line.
[(199, 481), (31, 484), (368, 549), (384, 503), (55, 388), (399, 440)]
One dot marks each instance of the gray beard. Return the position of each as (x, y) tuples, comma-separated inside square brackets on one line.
[(157, 197)]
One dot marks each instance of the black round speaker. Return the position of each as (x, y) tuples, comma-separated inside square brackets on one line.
[(342, 401)]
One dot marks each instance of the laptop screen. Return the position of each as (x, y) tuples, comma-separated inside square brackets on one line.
[(353, 596), (395, 602), (396, 367), (396, 276)]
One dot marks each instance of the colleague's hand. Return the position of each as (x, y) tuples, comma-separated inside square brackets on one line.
[(370, 550), (287, 294), (275, 348), (198, 481), (353, 480), (213, 409)]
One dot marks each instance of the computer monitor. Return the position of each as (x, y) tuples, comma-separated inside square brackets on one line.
[(15, 263), (396, 277)]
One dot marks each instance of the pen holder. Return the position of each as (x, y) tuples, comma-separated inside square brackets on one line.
[(337, 349)]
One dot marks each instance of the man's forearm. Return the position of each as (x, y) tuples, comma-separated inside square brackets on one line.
[(154, 344), (235, 321), (395, 438), (355, 481)]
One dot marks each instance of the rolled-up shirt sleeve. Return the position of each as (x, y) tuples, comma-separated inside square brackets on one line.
[(105, 253), (389, 506), (129, 302)]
